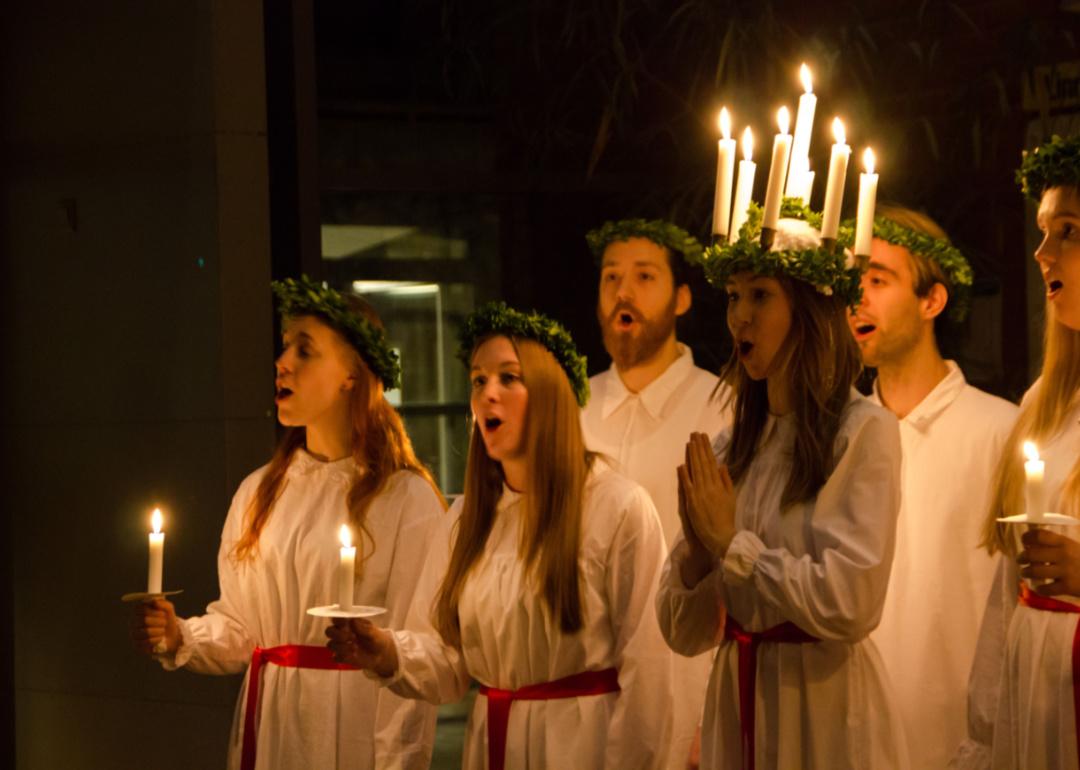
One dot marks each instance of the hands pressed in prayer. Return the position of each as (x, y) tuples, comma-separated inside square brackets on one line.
[(361, 643), (154, 630), (707, 498), (1050, 556)]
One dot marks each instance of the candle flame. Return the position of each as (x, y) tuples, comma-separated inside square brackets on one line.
[(346, 536), (783, 119), (868, 160), (804, 76), (838, 131), (748, 144), (725, 123), (1031, 451), (155, 520)]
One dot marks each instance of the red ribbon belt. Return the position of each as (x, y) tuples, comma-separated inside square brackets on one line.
[(289, 656), (1038, 602), (747, 643), (499, 701)]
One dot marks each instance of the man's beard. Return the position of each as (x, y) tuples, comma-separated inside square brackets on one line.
[(628, 350)]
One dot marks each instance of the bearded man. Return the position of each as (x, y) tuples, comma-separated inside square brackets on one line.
[(645, 406)]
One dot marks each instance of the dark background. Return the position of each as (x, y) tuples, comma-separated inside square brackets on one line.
[(163, 161)]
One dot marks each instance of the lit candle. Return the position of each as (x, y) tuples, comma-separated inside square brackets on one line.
[(834, 187), (804, 127), (346, 569), (800, 168), (777, 171), (864, 217), (744, 188), (157, 554), (1034, 489), (725, 170)]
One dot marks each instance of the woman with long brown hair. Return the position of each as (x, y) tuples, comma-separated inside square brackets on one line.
[(547, 601), (344, 458), (1024, 697), (788, 526)]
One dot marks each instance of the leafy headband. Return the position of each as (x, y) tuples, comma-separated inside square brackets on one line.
[(656, 230), (497, 318), (306, 297), (1053, 164)]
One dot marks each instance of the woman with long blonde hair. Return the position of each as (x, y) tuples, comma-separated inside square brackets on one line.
[(547, 600), (789, 523), (1024, 698), (344, 459)]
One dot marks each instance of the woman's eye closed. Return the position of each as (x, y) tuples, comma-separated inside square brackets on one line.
[(508, 378)]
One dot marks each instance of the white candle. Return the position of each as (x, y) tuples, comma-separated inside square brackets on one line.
[(744, 188), (1034, 489), (864, 217), (803, 180), (157, 554), (346, 569), (725, 170), (804, 128), (834, 187), (777, 171)]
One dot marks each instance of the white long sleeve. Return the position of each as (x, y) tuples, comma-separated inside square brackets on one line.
[(691, 619)]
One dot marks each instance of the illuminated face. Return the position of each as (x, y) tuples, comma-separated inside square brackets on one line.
[(638, 301), (313, 373), (499, 399), (1059, 253), (759, 318), (888, 322)]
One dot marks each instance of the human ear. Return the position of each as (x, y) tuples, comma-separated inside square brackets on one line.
[(933, 304), (683, 299)]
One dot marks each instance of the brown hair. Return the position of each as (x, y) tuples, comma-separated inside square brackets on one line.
[(926, 272), (820, 362), (380, 448), (1039, 420), (551, 505)]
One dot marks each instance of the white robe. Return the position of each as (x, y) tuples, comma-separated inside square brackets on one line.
[(645, 433), (822, 565), (1020, 711), (951, 443), (317, 718), (509, 640)]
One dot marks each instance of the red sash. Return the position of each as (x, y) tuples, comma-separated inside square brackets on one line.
[(747, 643), (287, 655), (499, 701), (1039, 602)]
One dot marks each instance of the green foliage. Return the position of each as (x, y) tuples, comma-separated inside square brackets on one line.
[(497, 318), (306, 297), (1053, 164), (824, 269), (658, 231), (948, 257)]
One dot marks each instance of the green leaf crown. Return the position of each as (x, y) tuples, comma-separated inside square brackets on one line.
[(497, 318), (658, 231), (303, 296), (1053, 164), (949, 258), (828, 271)]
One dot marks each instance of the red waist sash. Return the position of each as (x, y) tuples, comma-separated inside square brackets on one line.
[(747, 643), (499, 701), (287, 655), (1039, 602)]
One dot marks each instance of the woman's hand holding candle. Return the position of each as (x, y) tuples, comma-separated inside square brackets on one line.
[(359, 642), (1051, 557), (154, 630)]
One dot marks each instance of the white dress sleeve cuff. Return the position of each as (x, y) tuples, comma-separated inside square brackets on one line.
[(183, 653), (394, 678), (741, 556)]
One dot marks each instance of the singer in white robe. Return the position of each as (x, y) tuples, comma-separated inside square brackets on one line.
[(822, 565), (317, 718)]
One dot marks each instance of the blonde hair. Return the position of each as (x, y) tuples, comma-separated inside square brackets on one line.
[(380, 448), (1040, 420), (550, 537)]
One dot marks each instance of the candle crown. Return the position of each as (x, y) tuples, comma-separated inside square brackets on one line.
[(156, 520)]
